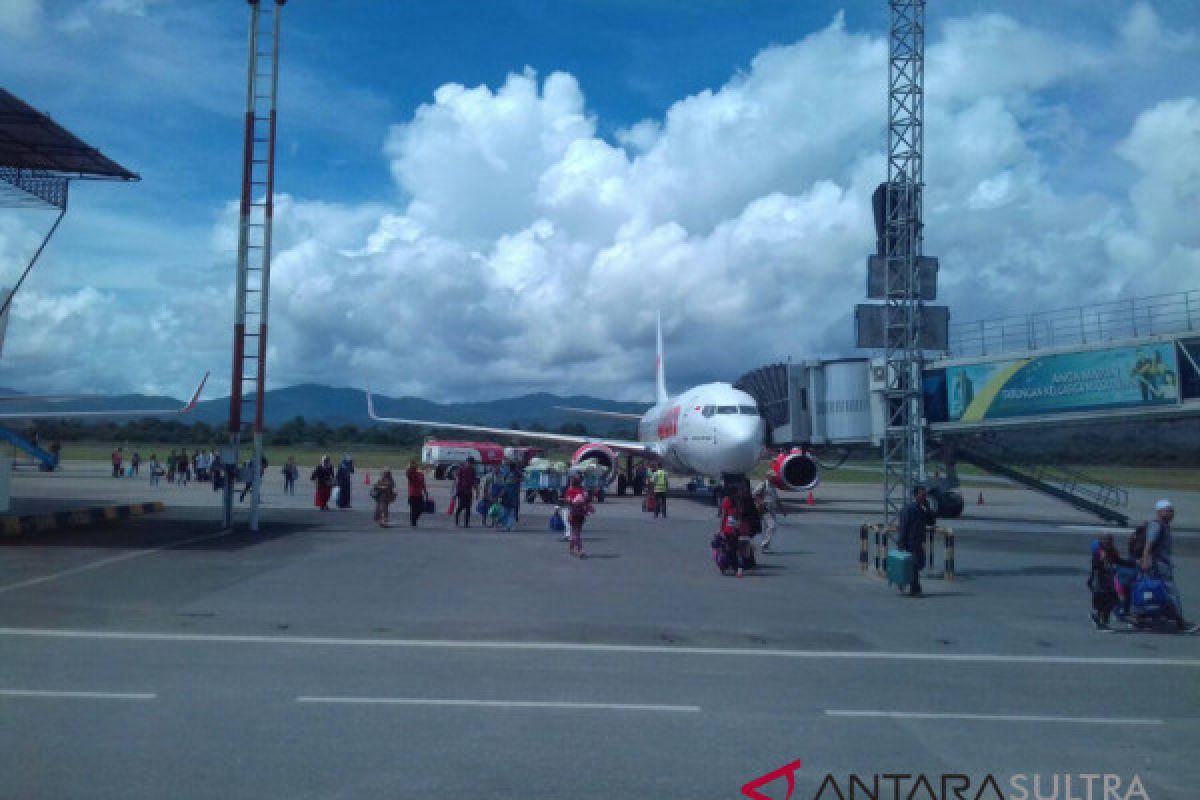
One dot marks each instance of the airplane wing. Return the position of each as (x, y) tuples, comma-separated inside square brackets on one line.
[(597, 413), (141, 412), (620, 445)]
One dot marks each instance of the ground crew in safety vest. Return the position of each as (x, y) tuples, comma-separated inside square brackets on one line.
[(659, 480)]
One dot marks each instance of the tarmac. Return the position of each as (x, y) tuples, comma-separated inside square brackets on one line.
[(325, 657)]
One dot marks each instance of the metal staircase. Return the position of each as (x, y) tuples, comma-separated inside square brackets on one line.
[(254, 244), (1073, 487), (769, 387), (46, 461)]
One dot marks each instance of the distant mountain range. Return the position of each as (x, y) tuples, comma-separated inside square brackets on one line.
[(335, 407), (1150, 442)]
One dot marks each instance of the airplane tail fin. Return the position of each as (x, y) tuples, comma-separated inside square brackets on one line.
[(660, 385)]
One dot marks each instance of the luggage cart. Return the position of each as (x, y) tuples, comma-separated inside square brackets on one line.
[(544, 484)]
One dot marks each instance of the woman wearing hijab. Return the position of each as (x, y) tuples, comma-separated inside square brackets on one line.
[(344, 471), (384, 493), (578, 507), (323, 475), (418, 493)]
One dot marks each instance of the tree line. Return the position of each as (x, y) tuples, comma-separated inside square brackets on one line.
[(296, 431)]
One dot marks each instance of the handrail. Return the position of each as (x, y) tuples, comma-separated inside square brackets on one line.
[(1176, 312)]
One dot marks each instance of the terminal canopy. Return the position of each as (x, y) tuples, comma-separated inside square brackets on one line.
[(38, 156)]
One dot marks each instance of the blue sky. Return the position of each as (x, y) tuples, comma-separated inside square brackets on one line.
[(485, 198)]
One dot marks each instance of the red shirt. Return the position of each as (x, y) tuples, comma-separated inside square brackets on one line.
[(465, 479), (577, 502), (731, 517), (416, 483)]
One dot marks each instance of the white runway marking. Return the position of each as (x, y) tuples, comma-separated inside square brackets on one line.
[(78, 695), (994, 717), (568, 647), (534, 704), (1096, 528), (104, 562)]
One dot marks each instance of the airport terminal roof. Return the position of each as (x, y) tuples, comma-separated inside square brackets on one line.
[(31, 140)]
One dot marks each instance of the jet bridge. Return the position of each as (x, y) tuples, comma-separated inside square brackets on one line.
[(840, 403), (818, 402)]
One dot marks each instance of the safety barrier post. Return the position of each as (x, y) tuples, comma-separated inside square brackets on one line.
[(931, 540), (862, 548), (949, 535), (881, 549)]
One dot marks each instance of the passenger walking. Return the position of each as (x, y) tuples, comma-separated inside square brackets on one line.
[(465, 481), (172, 463), (639, 479), (1103, 579), (344, 472), (217, 472), (515, 476), (769, 508), (489, 492), (134, 462), (510, 499), (116, 463), (1156, 559), (910, 533), (155, 471), (578, 508), (384, 494), (323, 476), (250, 477), (661, 484), (183, 472), (418, 492), (733, 530), (290, 473)]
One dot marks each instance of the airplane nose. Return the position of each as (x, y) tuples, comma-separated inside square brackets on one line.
[(743, 440)]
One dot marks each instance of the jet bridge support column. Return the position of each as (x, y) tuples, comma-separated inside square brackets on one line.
[(904, 435), (254, 250)]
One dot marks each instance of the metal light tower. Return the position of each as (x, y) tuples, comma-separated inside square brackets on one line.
[(903, 443), (254, 248)]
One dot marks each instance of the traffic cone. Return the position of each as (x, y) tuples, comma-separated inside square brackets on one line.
[(980, 498), (366, 479), (810, 499)]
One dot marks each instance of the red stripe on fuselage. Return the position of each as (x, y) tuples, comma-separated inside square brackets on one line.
[(668, 423)]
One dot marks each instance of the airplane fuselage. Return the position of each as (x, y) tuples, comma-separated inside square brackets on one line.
[(710, 430)]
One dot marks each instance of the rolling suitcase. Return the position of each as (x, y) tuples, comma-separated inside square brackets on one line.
[(899, 568), (1151, 598)]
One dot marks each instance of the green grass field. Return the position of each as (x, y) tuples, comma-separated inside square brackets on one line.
[(368, 456), (372, 457)]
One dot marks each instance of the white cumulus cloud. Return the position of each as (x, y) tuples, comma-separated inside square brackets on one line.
[(526, 252)]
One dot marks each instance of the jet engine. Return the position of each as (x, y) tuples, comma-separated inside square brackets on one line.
[(795, 470), (602, 454)]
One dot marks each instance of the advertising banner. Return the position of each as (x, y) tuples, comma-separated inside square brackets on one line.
[(1146, 375)]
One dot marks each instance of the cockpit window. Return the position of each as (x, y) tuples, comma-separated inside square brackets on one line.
[(727, 409), (751, 410), (708, 411)]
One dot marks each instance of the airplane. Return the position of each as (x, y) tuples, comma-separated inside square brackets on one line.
[(712, 430), (143, 412)]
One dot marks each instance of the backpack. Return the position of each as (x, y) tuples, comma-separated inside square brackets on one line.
[(1137, 542)]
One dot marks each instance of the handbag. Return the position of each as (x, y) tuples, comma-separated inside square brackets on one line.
[(556, 522), (430, 507)]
